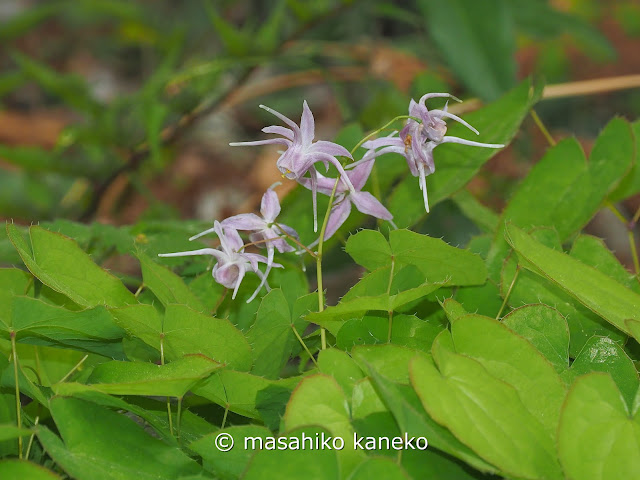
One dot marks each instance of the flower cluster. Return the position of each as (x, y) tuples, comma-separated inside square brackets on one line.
[(423, 132)]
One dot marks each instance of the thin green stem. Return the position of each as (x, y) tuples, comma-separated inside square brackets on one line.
[(14, 353), (617, 213), (506, 297), (295, 240), (224, 418), (393, 264), (139, 290), (634, 252), (35, 424), (323, 333), (220, 300), (168, 398), (179, 417), (386, 125), (76, 366), (304, 345), (542, 128), (635, 218)]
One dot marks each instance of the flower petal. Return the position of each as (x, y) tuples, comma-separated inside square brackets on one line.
[(287, 120), (360, 174), (243, 221), (270, 141), (367, 203), (329, 148), (339, 214), (270, 206), (443, 113), (202, 251), (471, 143), (307, 125), (278, 130)]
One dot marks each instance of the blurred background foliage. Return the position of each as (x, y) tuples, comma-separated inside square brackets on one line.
[(116, 115)]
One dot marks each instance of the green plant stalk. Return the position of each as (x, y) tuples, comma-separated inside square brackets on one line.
[(630, 236), (386, 125), (506, 297), (304, 345), (224, 418), (393, 265), (26, 455), (14, 353), (323, 333), (168, 398), (75, 367), (542, 128), (179, 418)]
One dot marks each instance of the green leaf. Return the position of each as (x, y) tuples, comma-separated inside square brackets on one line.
[(231, 464), (389, 360), (369, 248), (457, 164), (90, 452), (567, 189), (184, 331), (596, 420), (246, 394), (598, 292), (9, 431), (531, 288), (12, 282), (133, 378), (482, 55), (601, 354), (512, 359), (375, 292), (295, 461), (166, 285), (341, 367), (438, 261), (630, 185), (59, 263), (271, 336), (236, 41), (485, 414), (319, 400), (38, 323), (379, 467), (412, 419), (546, 329), (12, 468)]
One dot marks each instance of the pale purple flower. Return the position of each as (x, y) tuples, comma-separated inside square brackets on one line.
[(363, 201), (302, 153), (263, 230), (417, 140), (232, 262)]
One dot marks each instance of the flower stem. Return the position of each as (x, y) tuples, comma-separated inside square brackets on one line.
[(296, 241), (179, 417), (630, 236), (323, 333), (14, 353), (28, 452), (375, 132)]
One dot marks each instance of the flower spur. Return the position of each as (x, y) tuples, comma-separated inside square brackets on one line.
[(302, 152), (417, 140), (232, 262), (265, 232)]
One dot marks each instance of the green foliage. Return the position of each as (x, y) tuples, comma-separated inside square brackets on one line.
[(513, 355)]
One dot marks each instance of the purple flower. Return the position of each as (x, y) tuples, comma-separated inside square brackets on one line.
[(364, 201), (232, 262), (418, 139), (265, 232), (302, 153)]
